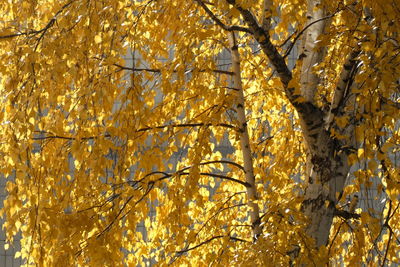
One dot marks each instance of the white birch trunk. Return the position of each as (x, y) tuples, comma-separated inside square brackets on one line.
[(309, 50), (327, 165), (244, 140)]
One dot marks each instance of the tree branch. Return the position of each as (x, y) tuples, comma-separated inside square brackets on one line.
[(43, 30), (159, 70), (308, 112), (387, 248), (386, 224), (182, 172), (221, 209), (183, 125), (180, 252), (334, 237), (344, 84), (263, 38), (219, 22), (150, 186), (223, 161), (346, 215), (223, 177)]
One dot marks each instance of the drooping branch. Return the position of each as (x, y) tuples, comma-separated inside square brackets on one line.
[(220, 210), (150, 186), (386, 224), (215, 175), (159, 70), (208, 241), (182, 125), (223, 161), (166, 175), (335, 236), (118, 216)]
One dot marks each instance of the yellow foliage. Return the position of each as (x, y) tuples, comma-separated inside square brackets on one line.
[(121, 144)]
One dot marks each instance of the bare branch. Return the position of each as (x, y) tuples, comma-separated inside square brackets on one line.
[(19, 34)]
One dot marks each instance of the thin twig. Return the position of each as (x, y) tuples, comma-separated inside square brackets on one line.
[(208, 241)]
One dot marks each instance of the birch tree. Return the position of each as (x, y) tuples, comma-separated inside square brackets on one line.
[(127, 138)]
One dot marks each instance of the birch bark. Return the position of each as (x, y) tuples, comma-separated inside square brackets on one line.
[(244, 139)]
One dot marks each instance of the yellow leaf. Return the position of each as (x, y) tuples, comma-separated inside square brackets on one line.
[(97, 39), (360, 152)]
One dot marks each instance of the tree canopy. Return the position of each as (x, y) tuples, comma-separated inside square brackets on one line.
[(114, 112)]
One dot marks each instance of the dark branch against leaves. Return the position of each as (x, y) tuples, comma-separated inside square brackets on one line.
[(159, 70), (219, 22), (182, 125), (41, 31)]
